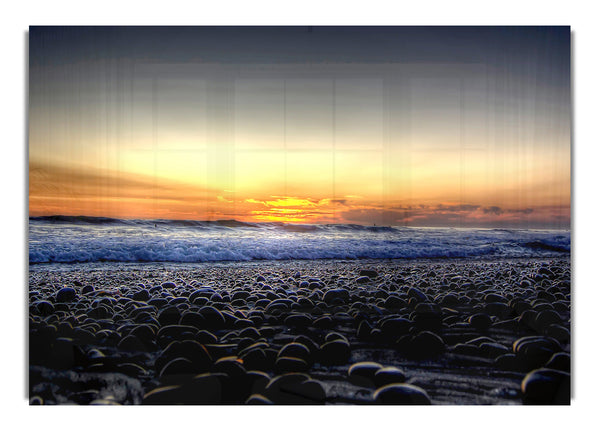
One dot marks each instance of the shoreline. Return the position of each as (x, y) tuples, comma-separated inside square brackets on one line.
[(106, 265)]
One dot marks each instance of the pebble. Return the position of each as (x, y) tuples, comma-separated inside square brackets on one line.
[(297, 321), (213, 318), (425, 345), (295, 388), (130, 325), (480, 321), (559, 333), (195, 352), (296, 350), (202, 389), (368, 273), (323, 322), (287, 364), (341, 296), (560, 361), (389, 375), (533, 351), (363, 373), (131, 343), (546, 386), (401, 393), (66, 294), (335, 352), (256, 359), (257, 400)]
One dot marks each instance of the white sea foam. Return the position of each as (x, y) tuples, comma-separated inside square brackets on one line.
[(81, 239)]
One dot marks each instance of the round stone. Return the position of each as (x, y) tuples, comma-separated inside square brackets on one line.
[(560, 361), (187, 349), (335, 295), (546, 386), (363, 373), (286, 364), (297, 321), (401, 393), (66, 294), (533, 352), (335, 352), (427, 344), (213, 318), (178, 367), (295, 388), (389, 375), (131, 343), (257, 400), (480, 321), (295, 350)]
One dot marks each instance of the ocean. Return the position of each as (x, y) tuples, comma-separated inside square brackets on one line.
[(66, 239)]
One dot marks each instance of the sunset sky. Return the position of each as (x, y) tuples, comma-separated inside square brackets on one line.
[(416, 126)]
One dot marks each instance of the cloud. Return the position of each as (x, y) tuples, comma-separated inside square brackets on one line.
[(521, 211), (493, 210), (447, 215), (457, 208), (53, 182)]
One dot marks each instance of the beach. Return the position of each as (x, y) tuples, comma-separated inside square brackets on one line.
[(492, 330)]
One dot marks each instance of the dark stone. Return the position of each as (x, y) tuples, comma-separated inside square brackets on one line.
[(335, 352), (480, 321), (249, 333), (546, 386), (401, 393), (294, 389), (286, 364), (180, 367), (66, 294), (336, 295), (297, 320), (296, 350), (213, 318), (368, 273), (256, 359), (389, 375), (169, 316), (426, 344), (323, 322), (87, 289), (364, 331), (394, 302), (560, 361), (396, 326), (131, 343), (141, 295), (533, 352), (546, 318), (195, 352), (230, 366), (417, 294), (507, 362), (363, 373), (559, 333), (44, 308), (192, 318), (258, 400), (202, 389)]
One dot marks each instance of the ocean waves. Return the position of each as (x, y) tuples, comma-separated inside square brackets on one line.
[(62, 239)]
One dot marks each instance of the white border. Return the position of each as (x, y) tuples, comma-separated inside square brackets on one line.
[(13, 168)]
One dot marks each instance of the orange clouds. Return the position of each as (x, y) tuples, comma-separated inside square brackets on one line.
[(63, 190)]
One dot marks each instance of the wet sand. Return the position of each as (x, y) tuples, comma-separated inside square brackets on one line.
[(302, 332)]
